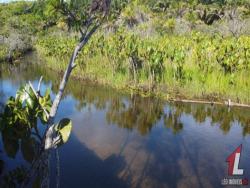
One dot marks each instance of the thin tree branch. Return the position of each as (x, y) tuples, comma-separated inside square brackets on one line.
[(39, 85), (86, 25)]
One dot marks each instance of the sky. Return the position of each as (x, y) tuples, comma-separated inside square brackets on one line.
[(6, 1)]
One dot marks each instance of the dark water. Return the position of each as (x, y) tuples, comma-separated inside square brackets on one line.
[(121, 140)]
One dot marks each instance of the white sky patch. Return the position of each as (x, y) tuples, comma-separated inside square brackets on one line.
[(7, 1)]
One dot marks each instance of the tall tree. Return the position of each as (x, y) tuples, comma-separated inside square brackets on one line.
[(86, 18)]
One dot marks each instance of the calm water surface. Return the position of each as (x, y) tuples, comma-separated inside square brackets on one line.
[(121, 140)]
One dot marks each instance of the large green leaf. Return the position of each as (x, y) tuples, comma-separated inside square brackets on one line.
[(21, 95), (63, 128), (46, 104), (26, 94), (31, 100)]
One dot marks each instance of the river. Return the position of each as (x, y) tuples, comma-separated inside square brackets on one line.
[(124, 140)]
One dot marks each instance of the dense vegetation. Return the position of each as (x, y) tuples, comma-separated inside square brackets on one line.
[(172, 49), (190, 49)]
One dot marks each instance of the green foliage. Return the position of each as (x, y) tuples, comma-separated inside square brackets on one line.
[(3, 52), (45, 103), (19, 121), (62, 46), (15, 16), (57, 9), (19, 118), (63, 129), (24, 109), (177, 61), (170, 24), (116, 8), (128, 56), (230, 55), (164, 5)]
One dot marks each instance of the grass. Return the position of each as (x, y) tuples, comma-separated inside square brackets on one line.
[(214, 86), (3, 52), (106, 58)]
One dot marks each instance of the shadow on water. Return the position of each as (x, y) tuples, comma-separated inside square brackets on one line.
[(125, 140), (89, 170)]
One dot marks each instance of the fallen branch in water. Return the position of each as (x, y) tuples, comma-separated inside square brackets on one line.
[(229, 103)]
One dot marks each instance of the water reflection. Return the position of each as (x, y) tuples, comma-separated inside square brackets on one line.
[(144, 113), (138, 113), (123, 140), (20, 146), (133, 112)]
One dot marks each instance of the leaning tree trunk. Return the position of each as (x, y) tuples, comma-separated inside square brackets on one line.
[(40, 165), (49, 142)]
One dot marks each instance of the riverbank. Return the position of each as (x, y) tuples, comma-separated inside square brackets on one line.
[(17, 31), (195, 67), (14, 44), (173, 90), (147, 49)]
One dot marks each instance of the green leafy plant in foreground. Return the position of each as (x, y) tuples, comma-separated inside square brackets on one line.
[(19, 128), (84, 17), (22, 112)]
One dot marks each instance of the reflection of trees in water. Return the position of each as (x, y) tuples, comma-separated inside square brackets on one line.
[(15, 139), (219, 115), (137, 112), (140, 113), (172, 120), (144, 113), (1, 90), (222, 116), (21, 138)]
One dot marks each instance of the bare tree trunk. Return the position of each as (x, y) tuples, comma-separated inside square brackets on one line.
[(49, 133), (48, 143)]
